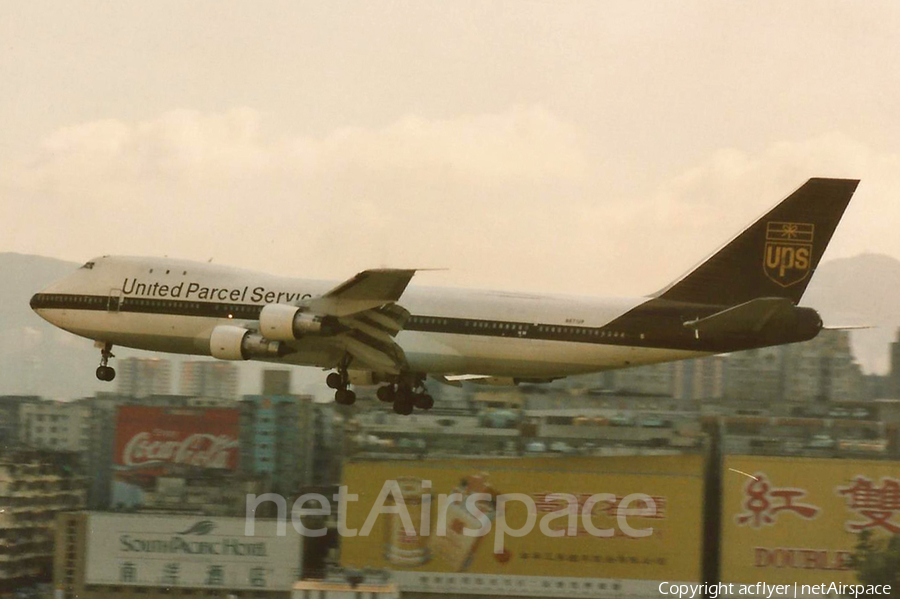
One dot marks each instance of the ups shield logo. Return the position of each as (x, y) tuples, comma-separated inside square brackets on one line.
[(788, 252)]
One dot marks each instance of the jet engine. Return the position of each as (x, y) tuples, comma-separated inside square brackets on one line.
[(282, 322), (229, 342)]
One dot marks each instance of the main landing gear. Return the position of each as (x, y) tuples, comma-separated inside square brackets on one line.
[(104, 372), (407, 393), (338, 381), (406, 396)]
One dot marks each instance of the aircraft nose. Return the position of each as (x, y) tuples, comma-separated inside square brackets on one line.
[(40, 301)]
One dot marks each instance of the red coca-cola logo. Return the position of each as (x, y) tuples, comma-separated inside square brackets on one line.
[(202, 450), (149, 438)]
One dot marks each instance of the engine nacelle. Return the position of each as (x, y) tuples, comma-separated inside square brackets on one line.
[(229, 342), (282, 322)]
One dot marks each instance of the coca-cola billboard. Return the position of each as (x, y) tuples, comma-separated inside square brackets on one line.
[(151, 440)]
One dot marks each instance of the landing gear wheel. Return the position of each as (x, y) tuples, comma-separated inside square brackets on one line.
[(386, 393), (345, 397), (403, 406), (423, 401), (106, 373), (335, 381)]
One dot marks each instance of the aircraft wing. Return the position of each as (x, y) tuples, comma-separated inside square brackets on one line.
[(365, 308), (749, 317), (365, 291)]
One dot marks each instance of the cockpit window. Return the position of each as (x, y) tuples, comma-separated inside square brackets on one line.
[(88, 265)]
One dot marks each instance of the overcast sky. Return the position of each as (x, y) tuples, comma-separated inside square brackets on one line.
[(584, 147)]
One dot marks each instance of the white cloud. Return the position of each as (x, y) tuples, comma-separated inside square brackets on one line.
[(195, 184), (523, 143), (692, 214), (504, 200)]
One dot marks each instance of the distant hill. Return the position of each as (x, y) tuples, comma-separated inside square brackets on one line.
[(36, 358), (864, 289)]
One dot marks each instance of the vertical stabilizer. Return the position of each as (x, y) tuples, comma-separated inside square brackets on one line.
[(774, 257)]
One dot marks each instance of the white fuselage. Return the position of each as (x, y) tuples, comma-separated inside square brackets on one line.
[(137, 302)]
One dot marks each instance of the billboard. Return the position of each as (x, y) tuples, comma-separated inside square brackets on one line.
[(149, 438), (668, 545), (152, 441), (787, 520), (189, 551)]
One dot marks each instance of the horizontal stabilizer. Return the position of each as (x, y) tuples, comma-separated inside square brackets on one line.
[(481, 379), (456, 380), (747, 318), (444, 380), (847, 327)]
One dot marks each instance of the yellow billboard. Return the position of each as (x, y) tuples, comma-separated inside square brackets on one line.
[(787, 520), (636, 517)]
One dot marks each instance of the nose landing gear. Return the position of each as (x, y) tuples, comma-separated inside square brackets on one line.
[(104, 372)]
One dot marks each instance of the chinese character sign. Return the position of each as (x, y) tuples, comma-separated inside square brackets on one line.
[(763, 502), (787, 520), (874, 504)]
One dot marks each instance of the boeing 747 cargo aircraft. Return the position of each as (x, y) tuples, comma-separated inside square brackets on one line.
[(372, 329)]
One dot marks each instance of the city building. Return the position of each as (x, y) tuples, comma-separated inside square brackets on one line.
[(822, 370), (202, 491), (142, 377), (10, 410), (276, 382), (699, 380), (894, 375), (654, 379), (278, 437), (818, 371), (35, 486), (101, 411), (329, 444), (57, 425), (294, 440), (209, 379), (755, 377)]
